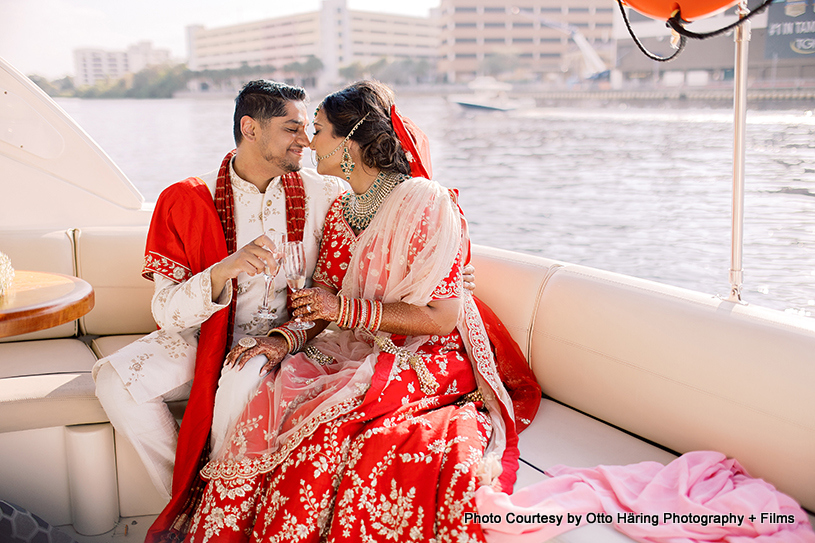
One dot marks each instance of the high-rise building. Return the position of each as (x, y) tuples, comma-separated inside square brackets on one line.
[(527, 39), (335, 35), (92, 65)]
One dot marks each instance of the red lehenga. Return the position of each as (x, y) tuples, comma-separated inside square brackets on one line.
[(351, 445)]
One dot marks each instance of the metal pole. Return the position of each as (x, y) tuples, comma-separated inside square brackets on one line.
[(742, 38)]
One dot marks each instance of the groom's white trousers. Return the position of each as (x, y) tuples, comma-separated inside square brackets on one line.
[(150, 426)]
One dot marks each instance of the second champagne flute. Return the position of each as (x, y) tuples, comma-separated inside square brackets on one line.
[(277, 250), (295, 267)]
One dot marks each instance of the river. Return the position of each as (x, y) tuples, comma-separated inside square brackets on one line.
[(640, 191)]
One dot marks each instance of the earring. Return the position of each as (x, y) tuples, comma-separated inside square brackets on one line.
[(346, 164)]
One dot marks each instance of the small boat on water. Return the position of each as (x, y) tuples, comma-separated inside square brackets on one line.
[(491, 95), (631, 369)]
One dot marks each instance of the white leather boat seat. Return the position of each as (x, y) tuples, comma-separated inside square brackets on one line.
[(111, 260), (683, 369), (561, 435), (47, 383), (679, 368), (55, 441)]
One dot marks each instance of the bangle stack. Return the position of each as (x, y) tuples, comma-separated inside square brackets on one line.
[(359, 313), (295, 338)]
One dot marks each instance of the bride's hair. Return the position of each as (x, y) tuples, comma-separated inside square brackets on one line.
[(376, 138)]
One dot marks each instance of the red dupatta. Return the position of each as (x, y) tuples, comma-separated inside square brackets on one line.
[(189, 232)]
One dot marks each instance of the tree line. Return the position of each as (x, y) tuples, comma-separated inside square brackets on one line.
[(165, 81)]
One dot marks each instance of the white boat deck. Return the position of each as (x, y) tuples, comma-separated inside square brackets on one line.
[(129, 529)]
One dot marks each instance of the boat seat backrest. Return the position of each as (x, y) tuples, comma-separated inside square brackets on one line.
[(45, 251), (111, 260), (513, 297)]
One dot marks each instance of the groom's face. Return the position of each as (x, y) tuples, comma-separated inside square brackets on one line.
[(282, 139)]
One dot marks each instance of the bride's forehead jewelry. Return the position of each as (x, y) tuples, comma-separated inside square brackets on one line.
[(348, 137)]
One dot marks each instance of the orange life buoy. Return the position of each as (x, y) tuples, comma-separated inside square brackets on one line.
[(691, 9)]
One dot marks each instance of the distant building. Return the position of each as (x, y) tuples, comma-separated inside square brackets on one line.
[(527, 39), (92, 65), (547, 41), (335, 35)]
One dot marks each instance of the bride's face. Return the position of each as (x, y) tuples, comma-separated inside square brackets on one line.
[(327, 146)]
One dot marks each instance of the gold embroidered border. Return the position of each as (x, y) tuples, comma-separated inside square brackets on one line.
[(166, 267), (247, 469)]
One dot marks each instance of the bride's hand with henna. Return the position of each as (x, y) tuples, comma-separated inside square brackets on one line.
[(312, 304)]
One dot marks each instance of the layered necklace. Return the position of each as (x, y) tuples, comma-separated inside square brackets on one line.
[(359, 209)]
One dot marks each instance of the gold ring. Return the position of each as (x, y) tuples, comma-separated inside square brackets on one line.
[(247, 342)]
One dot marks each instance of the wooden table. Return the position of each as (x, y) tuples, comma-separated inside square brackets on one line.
[(40, 300)]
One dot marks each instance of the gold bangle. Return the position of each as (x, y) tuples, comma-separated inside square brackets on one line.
[(286, 335)]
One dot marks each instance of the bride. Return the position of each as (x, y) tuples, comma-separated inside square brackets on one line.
[(385, 429)]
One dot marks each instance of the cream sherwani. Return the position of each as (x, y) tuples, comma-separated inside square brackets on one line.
[(134, 383)]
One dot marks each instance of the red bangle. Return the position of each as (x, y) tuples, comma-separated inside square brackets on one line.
[(359, 313), (295, 338)]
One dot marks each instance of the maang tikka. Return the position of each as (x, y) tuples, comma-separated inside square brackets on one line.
[(347, 163)]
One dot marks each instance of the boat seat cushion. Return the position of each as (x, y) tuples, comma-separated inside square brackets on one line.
[(42, 251), (47, 383), (111, 260), (107, 345), (561, 435)]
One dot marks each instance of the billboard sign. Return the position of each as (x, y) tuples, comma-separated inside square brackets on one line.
[(791, 29)]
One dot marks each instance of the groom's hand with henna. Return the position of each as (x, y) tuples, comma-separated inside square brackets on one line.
[(274, 348)]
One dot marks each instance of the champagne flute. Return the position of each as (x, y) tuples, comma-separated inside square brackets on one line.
[(277, 250), (295, 267)]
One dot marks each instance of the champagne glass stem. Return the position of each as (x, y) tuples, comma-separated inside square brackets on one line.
[(295, 265), (269, 279)]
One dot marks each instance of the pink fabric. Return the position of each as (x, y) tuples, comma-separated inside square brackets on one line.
[(699, 483)]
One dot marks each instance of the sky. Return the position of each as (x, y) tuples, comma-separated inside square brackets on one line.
[(39, 36)]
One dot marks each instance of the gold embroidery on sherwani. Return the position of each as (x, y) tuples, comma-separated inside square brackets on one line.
[(135, 367)]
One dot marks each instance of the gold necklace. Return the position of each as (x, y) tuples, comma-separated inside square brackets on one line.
[(359, 209)]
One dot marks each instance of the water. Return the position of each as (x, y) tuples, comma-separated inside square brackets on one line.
[(644, 192)]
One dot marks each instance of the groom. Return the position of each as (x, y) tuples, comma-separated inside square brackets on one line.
[(206, 251)]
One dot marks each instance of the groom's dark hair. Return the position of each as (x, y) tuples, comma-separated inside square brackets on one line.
[(263, 99)]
